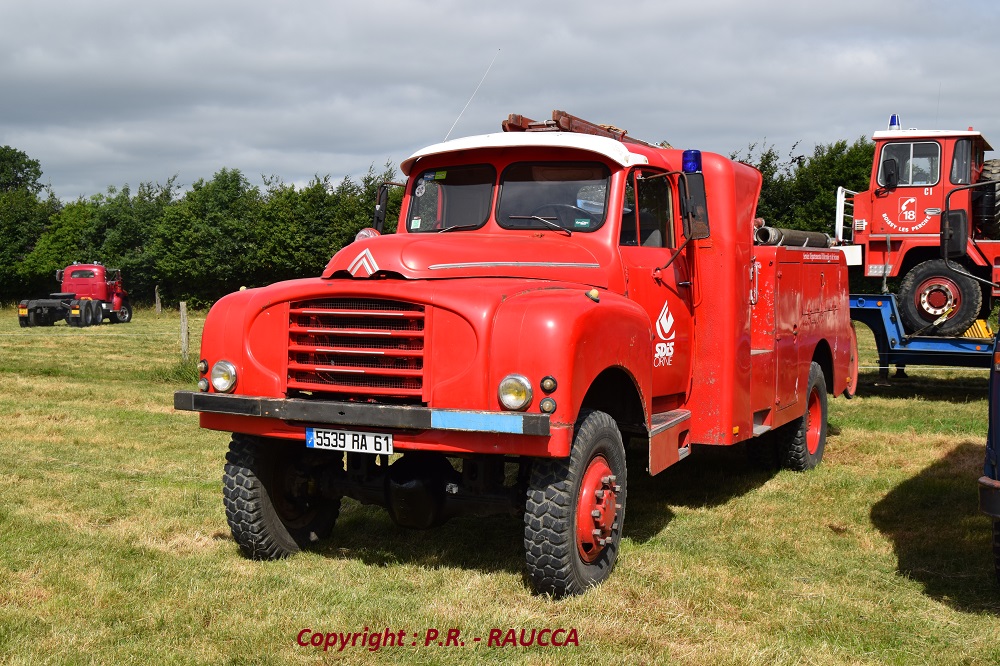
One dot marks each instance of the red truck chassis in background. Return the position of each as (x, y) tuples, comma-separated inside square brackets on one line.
[(553, 292), (91, 293)]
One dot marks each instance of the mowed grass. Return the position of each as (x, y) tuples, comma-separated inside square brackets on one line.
[(114, 547)]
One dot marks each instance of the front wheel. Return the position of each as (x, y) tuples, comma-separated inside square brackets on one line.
[(273, 505), (575, 509), (931, 291), (124, 314)]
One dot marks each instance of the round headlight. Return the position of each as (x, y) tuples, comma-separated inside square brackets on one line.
[(515, 392), (223, 376)]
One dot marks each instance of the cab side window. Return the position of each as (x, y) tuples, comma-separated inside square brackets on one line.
[(647, 215), (918, 163)]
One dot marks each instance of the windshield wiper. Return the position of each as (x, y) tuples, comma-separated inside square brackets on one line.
[(459, 226), (544, 220)]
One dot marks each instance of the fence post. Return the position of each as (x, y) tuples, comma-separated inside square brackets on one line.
[(184, 331), (156, 293)]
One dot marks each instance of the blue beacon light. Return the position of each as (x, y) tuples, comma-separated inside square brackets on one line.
[(894, 123), (691, 161)]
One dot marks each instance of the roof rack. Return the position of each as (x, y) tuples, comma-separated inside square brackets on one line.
[(565, 122)]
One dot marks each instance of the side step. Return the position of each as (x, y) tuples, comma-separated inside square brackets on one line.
[(668, 439)]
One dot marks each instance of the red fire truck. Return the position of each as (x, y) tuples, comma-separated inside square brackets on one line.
[(893, 229), (552, 292)]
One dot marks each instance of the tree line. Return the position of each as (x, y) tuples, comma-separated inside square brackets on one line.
[(224, 233)]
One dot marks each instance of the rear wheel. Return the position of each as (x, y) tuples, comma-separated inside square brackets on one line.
[(930, 290), (97, 315), (270, 491), (86, 314), (575, 509), (801, 442)]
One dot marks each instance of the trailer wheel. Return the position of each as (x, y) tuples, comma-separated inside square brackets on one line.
[(801, 442), (575, 509), (930, 290), (273, 504)]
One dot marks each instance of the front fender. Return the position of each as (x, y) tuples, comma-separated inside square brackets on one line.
[(563, 333), (242, 328)]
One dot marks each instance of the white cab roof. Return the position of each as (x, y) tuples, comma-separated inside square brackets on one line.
[(610, 148), (927, 134)]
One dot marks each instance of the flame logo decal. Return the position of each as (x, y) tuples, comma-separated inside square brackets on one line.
[(665, 323)]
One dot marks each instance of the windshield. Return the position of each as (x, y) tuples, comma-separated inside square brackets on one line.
[(451, 197), (538, 195)]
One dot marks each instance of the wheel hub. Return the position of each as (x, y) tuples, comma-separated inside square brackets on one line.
[(814, 424), (596, 509), (938, 296)]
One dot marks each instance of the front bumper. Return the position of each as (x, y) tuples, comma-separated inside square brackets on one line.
[(989, 497), (328, 412)]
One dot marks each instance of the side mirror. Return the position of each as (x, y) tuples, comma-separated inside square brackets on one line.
[(381, 201), (694, 206), (890, 174), (954, 234), (59, 275)]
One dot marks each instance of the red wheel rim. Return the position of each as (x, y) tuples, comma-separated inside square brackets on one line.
[(936, 295), (814, 424), (596, 509)]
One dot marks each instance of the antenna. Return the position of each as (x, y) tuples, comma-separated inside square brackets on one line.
[(473, 95)]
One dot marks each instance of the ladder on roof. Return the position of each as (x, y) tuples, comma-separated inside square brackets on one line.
[(565, 122)]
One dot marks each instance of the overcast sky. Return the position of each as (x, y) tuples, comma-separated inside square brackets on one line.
[(114, 92)]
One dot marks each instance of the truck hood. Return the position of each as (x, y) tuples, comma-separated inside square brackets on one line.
[(546, 256)]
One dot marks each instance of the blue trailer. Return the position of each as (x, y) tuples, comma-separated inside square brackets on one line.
[(880, 313)]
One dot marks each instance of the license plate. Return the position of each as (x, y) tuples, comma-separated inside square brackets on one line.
[(349, 441), (22, 312)]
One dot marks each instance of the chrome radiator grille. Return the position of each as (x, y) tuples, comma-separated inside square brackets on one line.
[(357, 349)]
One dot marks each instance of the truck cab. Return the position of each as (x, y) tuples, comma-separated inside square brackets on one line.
[(552, 292)]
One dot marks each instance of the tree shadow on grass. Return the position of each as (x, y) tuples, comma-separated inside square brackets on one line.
[(961, 389), (710, 477), (939, 537)]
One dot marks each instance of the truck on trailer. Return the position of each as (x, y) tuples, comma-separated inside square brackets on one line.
[(552, 293), (892, 229)]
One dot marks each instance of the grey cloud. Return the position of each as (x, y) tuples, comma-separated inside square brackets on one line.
[(107, 93)]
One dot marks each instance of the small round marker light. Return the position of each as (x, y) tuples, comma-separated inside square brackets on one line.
[(203, 385), (202, 366), (549, 384), (547, 405)]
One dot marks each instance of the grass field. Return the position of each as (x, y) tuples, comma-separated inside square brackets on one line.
[(114, 547)]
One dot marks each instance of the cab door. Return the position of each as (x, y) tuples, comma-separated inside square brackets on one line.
[(904, 210), (647, 242)]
